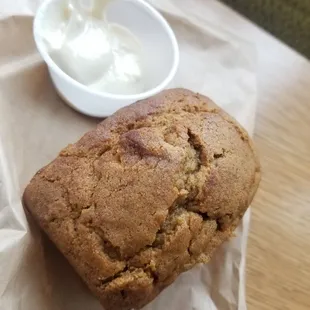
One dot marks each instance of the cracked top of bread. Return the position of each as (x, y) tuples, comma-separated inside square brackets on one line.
[(149, 193)]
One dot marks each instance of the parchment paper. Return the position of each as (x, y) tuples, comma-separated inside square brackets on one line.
[(35, 124)]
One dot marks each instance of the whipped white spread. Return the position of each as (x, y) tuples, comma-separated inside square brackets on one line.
[(104, 56)]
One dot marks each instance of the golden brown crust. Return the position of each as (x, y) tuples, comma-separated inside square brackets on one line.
[(149, 193)]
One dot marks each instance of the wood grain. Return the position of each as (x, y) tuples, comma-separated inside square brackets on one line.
[(278, 261)]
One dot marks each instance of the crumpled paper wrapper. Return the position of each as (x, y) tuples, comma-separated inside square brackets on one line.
[(35, 124)]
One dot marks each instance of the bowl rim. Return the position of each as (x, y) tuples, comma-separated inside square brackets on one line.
[(49, 61)]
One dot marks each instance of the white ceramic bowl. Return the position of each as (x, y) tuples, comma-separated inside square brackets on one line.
[(148, 25)]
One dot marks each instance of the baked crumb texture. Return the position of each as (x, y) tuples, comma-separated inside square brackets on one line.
[(149, 193)]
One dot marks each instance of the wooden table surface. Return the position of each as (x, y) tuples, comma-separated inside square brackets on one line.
[(278, 261)]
